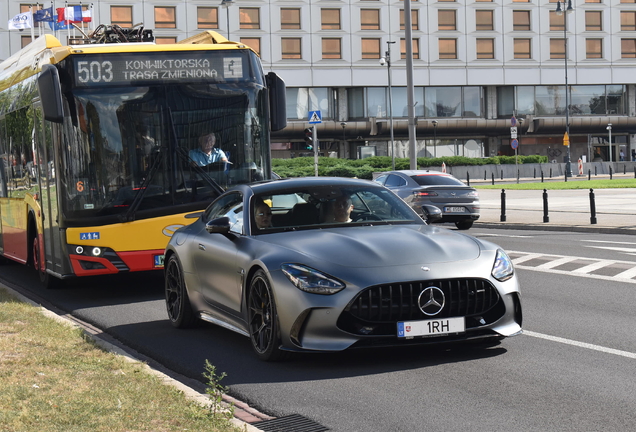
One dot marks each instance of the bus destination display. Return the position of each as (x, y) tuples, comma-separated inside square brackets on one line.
[(91, 70)]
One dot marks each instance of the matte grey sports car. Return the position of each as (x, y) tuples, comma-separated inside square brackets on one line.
[(326, 264)]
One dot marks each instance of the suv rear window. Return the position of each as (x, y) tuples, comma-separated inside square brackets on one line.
[(433, 179)]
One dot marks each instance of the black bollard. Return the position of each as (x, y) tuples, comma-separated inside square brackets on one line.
[(589, 174), (484, 175), (610, 173), (493, 178), (502, 218), (566, 177), (541, 176), (550, 172), (517, 176), (635, 172), (592, 208), (595, 171), (467, 178), (546, 218), (502, 174), (535, 173), (625, 169)]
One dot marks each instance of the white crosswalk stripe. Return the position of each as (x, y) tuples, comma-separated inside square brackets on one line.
[(625, 271)]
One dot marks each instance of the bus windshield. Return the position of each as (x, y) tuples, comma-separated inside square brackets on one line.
[(134, 151)]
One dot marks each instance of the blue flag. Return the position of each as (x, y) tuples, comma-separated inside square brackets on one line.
[(54, 25), (43, 15)]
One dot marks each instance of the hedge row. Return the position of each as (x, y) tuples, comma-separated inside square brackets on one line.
[(364, 168)]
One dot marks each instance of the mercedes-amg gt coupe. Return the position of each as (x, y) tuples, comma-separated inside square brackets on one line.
[(326, 264)]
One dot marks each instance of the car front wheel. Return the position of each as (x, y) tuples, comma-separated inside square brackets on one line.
[(177, 300), (263, 320)]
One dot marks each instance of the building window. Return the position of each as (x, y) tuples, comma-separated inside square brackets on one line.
[(121, 15), (370, 48), (521, 20), (557, 22), (488, 1), (301, 100), (447, 0), (447, 48), (165, 17), (290, 48), (249, 18), (485, 48), (593, 48), (207, 17), (254, 43), (330, 19), (628, 1), (522, 49), (415, 20), (446, 20), (521, 1), (416, 48), (370, 19), (628, 48), (557, 48), (593, 20), (289, 18), (164, 40), (484, 20), (24, 40), (593, 1), (331, 48), (628, 21)]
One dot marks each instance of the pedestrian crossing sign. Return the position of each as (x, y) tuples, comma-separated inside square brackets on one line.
[(315, 117)]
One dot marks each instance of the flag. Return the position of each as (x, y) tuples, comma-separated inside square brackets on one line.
[(21, 21), (43, 15), (69, 14), (56, 25), (87, 16)]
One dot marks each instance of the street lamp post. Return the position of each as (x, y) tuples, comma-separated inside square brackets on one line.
[(609, 130), (226, 4), (559, 11), (434, 138), (387, 60)]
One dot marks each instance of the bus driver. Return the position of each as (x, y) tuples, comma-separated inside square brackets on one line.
[(207, 153)]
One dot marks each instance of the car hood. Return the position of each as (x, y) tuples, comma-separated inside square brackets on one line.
[(379, 246)]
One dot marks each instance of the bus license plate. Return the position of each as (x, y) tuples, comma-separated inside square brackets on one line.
[(454, 209), (434, 327), (158, 260)]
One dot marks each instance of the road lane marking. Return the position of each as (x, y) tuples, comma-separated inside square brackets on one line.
[(581, 344), (525, 258), (594, 266), (609, 241), (556, 262)]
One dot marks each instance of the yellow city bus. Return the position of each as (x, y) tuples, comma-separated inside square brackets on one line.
[(95, 173)]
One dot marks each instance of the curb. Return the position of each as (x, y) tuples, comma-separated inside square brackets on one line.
[(243, 413), (570, 228)]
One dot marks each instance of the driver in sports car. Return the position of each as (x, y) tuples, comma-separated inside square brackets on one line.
[(340, 209)]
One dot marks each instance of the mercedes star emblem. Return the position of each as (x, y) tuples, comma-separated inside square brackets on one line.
[(431, 301)]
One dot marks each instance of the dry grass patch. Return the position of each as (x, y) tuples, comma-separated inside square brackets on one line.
[(53, 379)]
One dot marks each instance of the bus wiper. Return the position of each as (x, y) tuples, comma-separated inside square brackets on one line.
[(129, 216)]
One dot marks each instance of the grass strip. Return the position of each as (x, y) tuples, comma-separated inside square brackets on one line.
[(562, 185), (53, 378)]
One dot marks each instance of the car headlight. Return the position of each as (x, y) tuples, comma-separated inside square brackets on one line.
[(310, 280), (503, 269)]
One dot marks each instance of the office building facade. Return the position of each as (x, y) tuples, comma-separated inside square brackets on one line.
[(476, 64)]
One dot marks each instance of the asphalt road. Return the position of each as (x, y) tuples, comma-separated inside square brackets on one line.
[(573, 370)]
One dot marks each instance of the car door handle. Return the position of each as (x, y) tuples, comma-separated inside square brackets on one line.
[(201, 246)]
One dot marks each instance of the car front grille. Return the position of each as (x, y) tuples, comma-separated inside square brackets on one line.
[(377, 309)]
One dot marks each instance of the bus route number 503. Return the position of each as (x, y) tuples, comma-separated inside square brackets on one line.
[(94, 71)]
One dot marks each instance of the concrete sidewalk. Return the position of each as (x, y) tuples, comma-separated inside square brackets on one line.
[(567, 210)]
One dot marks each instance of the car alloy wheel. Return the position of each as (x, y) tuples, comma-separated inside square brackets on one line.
[(177, 300), (464, 225), (263, 320)]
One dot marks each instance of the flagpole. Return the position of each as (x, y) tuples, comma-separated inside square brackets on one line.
[(68, 27), (32, 24)]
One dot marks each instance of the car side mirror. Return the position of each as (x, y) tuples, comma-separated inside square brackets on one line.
[(218, 226), (431, 213)]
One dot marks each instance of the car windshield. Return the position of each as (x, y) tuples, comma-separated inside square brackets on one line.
[(436, 179), (332, 206)]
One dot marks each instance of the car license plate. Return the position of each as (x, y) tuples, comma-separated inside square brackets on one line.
[(158, 260), (454, 209), (434, 327)]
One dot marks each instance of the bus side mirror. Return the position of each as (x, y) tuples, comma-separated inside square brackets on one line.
[(277, 101), (51, 94)]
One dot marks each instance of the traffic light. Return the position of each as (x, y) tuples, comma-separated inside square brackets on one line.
[(309, 138)]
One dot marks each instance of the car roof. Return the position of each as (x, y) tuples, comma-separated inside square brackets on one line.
[(420, 172), (300, 182)]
